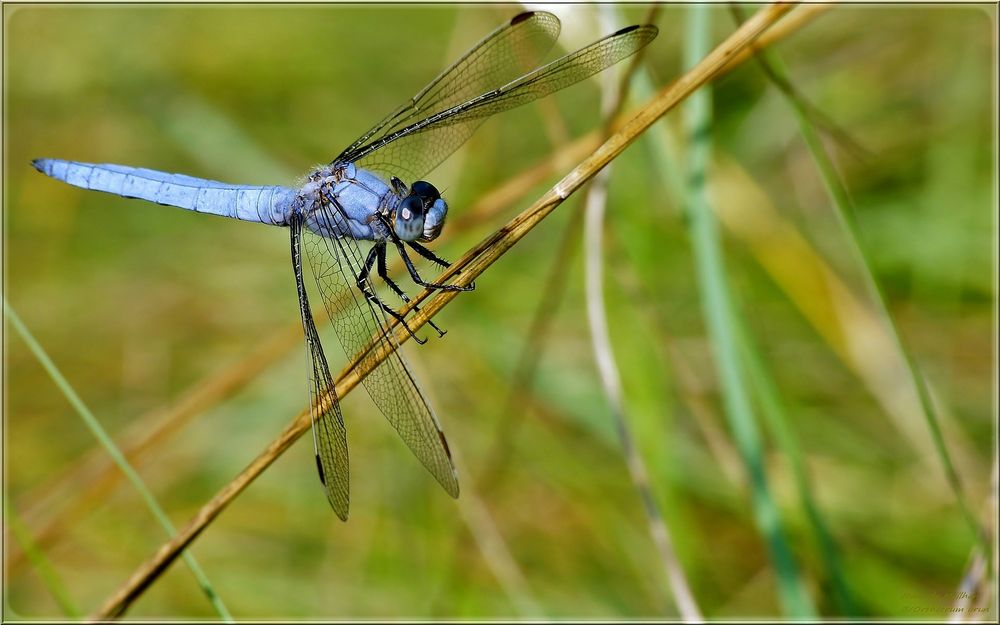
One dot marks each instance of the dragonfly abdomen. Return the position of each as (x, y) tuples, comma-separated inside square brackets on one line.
[(262, 204)]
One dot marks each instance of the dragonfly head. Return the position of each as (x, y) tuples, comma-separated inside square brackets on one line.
[(420, 216)]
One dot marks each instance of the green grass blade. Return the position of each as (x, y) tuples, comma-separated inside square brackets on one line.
[(843, 206), (48, 574), (719, 314), (776, 417), (119, 458)]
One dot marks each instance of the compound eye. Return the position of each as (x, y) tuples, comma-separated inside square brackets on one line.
[(425, 190), (410, 208), (410, 218)]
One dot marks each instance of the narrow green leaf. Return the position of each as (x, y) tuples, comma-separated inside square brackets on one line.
[(116, 454), (50, 577), (840, 200), (776, 418), (719, 315)]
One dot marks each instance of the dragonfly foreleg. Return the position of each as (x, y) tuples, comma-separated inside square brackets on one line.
[(366, 289), (429, 255), (416, 276), (434, 258), (383, 273)]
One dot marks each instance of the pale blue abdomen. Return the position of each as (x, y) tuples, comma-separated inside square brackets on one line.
[(336, 202), (269, 205)]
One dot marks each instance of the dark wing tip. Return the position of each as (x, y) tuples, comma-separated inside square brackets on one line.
[(649, 29), (543, 16), (520, 17), (319, 467)]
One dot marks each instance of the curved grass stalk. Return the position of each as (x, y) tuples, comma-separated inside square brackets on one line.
[(689, 385), (102, 436), (595, 203), (471, 266), (610, 379)]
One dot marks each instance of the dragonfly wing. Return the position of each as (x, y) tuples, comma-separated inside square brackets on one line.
[(269, 205), (329, 433), (335, 264), (422, 145), (508, 52)]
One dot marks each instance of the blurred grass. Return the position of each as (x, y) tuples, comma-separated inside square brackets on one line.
[(776, 417), (840, 200), (614, 93), (721, 325), (137, 303), (121, 463), (21, 535)]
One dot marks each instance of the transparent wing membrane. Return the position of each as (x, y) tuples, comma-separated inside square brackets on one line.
[(499, 73), (508, 52), (411, 150), (335, 264), (329, 433)]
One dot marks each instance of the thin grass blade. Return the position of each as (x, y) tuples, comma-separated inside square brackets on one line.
[(50, 577), (595, 202), (719, 318), (116, 454), (776, 417), (842, 204)]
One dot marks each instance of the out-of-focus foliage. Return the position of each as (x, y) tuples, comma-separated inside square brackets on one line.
[(137, 303)]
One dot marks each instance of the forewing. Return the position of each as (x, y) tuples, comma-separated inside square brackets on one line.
[(335, 263), (329, 433), (416, 149), (508, 52)]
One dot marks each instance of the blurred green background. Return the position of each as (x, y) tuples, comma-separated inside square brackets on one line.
[(138, 304)]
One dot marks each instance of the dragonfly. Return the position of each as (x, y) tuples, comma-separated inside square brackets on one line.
[(359, 198)]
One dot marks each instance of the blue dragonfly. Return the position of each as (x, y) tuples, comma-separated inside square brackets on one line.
[(361, 197)]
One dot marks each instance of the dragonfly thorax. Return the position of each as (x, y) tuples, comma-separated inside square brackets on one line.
[(347, 201)]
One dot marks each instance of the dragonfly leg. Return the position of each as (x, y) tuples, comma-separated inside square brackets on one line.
[(434, 258), (416, 276), (367, 268), (429, 255), (383, 273), (365, 288)]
